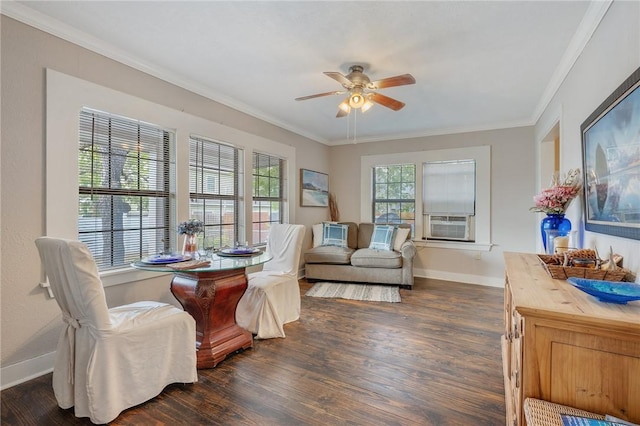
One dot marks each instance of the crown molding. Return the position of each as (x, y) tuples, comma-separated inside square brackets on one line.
[(436, 132), (588, 25), (66, 32), (592, 18)]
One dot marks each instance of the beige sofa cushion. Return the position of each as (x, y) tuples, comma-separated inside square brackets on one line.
[(352, 236), (329, 254), (365, 231), (402, 235), (359, 237), (371, 258)]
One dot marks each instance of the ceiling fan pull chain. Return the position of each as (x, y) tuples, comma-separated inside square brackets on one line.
[(348, 124), (355, 126)]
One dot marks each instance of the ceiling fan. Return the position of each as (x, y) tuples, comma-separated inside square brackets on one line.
[(362, 91)]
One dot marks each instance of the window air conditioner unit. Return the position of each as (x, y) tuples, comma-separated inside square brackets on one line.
[(456, 228)]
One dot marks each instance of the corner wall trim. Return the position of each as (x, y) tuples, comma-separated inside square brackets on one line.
[(23, 371), (461, 278)]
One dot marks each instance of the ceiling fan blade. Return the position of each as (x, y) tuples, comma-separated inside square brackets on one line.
[(399, 80), (340, 79), (386, 101), (318, 95)]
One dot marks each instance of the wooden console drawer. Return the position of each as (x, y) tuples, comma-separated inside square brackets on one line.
[(566, 347)]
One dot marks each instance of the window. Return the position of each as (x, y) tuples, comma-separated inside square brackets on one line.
[(394, 193), (449, 197), (449, 187), (214, 188), (477, 228), (268, 194), (67, 96), (126, 171)]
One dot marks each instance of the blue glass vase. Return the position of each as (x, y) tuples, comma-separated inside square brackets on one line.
[(554, 221)]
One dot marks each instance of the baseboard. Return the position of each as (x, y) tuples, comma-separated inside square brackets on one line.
[(462, 278), (450, 276), (24, 371)]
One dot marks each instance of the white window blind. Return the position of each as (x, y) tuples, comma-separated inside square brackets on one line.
[(126, 173), (268, 194), (214, 179), (449, 187)]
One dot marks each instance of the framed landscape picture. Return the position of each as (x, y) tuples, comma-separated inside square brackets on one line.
[(314, 189), (611, 163)]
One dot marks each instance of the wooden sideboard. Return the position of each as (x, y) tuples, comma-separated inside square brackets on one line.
[(564, 346)]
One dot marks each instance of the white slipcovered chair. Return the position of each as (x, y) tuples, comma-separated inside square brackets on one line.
[(108, 360), (272, 298)]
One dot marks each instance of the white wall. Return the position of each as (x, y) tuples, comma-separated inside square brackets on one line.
[(609, 58), (30, 322), (67, 95), (612, 54), (512, 188)]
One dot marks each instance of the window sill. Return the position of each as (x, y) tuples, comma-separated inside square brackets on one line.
[(455, 245), (127, 275)]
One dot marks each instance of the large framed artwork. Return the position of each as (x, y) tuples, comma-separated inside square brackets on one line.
[(611, 163), (314, 189)]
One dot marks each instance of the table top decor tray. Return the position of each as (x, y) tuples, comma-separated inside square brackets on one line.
[(191, 264), (560, 272)]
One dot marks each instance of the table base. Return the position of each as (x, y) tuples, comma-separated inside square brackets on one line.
[(211, 298)]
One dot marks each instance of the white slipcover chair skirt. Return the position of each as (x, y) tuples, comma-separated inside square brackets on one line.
[(272, 298), (108, 360)]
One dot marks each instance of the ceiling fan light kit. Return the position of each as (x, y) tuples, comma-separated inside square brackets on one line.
[(362, 91), (356, 100), (344, 106)]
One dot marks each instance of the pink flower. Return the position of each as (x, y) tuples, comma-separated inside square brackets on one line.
[(556, 200)]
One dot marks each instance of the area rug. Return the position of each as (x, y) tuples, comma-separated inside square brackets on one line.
[(366, 292)]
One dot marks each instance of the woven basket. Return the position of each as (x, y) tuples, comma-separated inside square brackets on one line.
[(560, 272), (543, 413)]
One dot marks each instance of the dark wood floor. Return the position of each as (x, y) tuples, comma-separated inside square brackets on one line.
[(433, 359)]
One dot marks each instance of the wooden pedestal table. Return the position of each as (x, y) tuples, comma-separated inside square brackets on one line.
[(210, 295)]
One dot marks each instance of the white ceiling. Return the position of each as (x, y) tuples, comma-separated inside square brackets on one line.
[(477, 64)]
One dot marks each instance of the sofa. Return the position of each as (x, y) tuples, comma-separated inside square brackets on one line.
[(360, 260)]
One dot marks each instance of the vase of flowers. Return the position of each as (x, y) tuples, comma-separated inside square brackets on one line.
[(190, 229), (555, 201)]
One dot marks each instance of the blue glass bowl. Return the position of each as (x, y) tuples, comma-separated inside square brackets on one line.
[(608, 291)]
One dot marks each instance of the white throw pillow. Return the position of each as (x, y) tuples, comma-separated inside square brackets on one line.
[(317, 234), (401, 237)]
